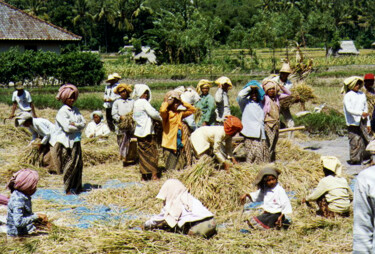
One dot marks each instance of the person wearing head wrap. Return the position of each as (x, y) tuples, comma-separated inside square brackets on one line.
[(20, 218), (144, 116), (175, 134), (250, 101), (222, 98), (370, 97), (182, 212), (22, 99), (66, 140), (206, 104), (43, 129), (357, 119), (122, 114), (217, 139), (276, 204), (109, 97), (272, 113), (333, 194), (97, 128)]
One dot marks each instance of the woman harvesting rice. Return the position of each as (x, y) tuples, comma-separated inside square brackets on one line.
[(250, 100), (175, 139), (122, 115), (143, 115), (66, 140), (182, 212), (272, 113), (206, 104), (97, 128), (276, 203)]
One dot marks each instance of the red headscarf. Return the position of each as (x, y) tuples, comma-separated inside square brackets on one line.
[(232, 125), (25, 181), (369, 76)]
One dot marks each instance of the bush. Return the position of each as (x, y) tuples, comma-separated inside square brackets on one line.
[(323, 123), (79, 68)]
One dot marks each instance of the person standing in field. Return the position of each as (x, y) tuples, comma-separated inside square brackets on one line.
[(250, 99), (66, 140), (357, 119), (363, 209), (109, 97), (97, 128), (122, 113), (369, 92), (22, 98), (222, 99), (283, 80), (272, 113), (144, 115), (175, 138), (206, 104)]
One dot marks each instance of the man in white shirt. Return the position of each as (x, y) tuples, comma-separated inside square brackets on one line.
[(22, 98), (109, 97), (222, 99), (357, 119)]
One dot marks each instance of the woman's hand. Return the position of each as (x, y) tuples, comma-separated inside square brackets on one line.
[(365, 114), (243, 198), (279, 222)]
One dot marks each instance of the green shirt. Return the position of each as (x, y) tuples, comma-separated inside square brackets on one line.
[(207, 106)]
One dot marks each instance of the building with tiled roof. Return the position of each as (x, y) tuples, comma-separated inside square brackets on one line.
[(18, 28)]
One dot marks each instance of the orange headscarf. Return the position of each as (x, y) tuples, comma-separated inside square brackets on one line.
[(232, 125)]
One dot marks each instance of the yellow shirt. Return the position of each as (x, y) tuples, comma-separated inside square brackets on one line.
[(172, 121)]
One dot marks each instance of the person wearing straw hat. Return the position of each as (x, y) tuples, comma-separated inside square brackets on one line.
[(217, 141), (357, 119), (282, 80), (97, 128), (276, 204), (175, 138), (333, 194), (109, 97), (182, 213), (122, 115), (22, 98), (145, 117), (206, 104), (271, 110), (43, 129), (66, 140), (250, 100), (222, 99)]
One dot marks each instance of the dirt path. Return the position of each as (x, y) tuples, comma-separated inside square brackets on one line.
[(338, 147)]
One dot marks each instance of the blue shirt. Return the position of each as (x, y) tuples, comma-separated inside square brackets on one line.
[(20, 216)]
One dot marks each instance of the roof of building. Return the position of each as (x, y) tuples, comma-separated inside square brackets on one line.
[(16, 24), (347, 47)]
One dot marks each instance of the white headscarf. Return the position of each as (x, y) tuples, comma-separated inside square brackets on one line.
[(139, 90), (176, 196), (98, 113)]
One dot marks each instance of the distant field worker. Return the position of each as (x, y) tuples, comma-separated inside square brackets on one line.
[(175, 137), (122, 115), (43, 129), (97, 128), (217, 140), (276, 204), (250, 99), (20, 218), (282, 80), (109, 97), (144, 116), (357, 119), (333, 194), (66, 140), (363, 209), (206, 104), (22, 98), (182, 213), (222, 99), (272, 113), (369, 92)]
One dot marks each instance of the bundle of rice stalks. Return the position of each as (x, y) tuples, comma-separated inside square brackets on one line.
[(11, 135), (197, 115), (127, 123), (32, 156), (301, 93)]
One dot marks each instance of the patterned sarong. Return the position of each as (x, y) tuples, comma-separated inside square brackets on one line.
[(358, 140), (256, 150), (272, 136), (72, 165), (148, 155)]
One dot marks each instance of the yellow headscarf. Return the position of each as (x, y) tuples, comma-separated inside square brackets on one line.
[(224, 80), (202, 84), (332, 163), (268, 84), (349, 83), (121, 87)]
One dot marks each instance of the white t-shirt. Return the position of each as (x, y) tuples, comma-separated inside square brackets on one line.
[(23, 101)]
